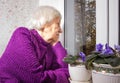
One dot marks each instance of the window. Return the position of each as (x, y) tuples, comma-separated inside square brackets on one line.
[(107, 21), (80, 26), (91, 21)]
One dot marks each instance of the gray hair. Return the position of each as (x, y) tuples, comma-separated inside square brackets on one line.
[(43, 15)]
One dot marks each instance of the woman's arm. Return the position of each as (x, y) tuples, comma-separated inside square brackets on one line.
[(60, 53)]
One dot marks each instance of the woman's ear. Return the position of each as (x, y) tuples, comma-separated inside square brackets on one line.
[(47, 27), (43, 28)]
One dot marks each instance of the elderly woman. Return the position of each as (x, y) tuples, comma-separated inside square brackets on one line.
[(35, 55)]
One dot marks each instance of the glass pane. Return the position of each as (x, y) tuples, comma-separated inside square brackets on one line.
[(84, 26)]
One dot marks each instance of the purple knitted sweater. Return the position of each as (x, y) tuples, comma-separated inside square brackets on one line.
[(29, 59)]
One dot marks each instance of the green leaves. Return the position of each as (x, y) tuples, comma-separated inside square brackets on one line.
[(89, 60), (100, 56), (113, 60), (73, 60)]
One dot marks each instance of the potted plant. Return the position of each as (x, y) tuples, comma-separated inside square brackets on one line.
[(77, 69), (105, 64)]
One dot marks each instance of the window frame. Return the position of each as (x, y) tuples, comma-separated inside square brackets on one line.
[(107, 22)]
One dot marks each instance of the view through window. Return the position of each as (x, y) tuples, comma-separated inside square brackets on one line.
[(84, 27)]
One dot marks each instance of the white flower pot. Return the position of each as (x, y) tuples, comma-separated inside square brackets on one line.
[(71, 81), (78, 82), (79, 74), (103, 76)]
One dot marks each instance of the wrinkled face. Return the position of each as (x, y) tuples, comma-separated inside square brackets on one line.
[(53, 29)]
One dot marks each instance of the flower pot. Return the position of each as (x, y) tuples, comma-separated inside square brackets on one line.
[(79, 74), (104, 73), (78, 82)]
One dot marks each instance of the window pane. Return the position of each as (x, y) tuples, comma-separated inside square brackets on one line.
[(84, 27)]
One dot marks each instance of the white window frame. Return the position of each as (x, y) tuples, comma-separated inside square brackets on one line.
[(107, 21)]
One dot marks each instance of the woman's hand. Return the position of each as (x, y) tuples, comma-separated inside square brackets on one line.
[(54, 42)]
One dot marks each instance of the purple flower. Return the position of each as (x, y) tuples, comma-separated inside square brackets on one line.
[(107, 50), (99, 47), (117, 47), (83, 56), (107, 46)]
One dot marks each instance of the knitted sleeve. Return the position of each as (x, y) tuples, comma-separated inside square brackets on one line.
[(60, 53), (59, 73), (22, 52)]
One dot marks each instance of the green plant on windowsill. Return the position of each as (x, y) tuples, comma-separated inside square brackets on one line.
[(77, 69), (75, 59), (107, 56)]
